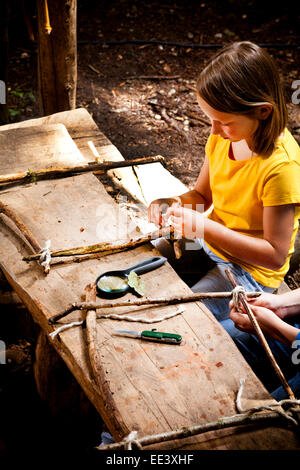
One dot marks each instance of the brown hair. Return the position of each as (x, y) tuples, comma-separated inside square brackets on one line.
[(238, 79)]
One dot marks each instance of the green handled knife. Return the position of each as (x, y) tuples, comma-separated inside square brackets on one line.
[(153, 336)]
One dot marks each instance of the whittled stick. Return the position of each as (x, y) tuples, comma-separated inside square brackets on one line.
[(171, 301), (112, 247), (47, 173)]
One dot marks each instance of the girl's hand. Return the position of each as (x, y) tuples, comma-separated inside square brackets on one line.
[(187, 223), (158, 208)]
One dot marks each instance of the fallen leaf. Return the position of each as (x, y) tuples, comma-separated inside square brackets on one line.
[(136, 283)]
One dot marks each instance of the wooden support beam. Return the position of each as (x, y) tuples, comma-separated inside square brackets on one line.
[(57, 55), (4, 14)]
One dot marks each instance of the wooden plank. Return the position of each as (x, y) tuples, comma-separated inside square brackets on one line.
[(156, 387), (30, 147), (83, 130)]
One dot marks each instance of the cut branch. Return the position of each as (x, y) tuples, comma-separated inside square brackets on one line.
[(113, 247), (4, 209), (111, 410), (30, 176), (159, 301)]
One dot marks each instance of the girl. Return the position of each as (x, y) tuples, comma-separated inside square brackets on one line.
[(250, 179)]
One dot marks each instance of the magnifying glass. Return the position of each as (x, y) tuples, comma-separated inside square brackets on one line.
[(113, 284)]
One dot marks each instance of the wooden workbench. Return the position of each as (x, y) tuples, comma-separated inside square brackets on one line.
[(149, 387)]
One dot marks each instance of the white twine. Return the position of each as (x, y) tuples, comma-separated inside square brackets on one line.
[(141, 319), (130, 439), (45, 257), (112, 316), (276, 407), (65, 327), (235, 296)]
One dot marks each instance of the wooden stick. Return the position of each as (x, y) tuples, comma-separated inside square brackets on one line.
[(254, 322), (159, 301), (265, 419), (35, 246), (111, 409), (53, 172), (153, 77), (113, 247)]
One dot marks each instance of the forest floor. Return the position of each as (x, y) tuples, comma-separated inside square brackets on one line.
[(142, 98)]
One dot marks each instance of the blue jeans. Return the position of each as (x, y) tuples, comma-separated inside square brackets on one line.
[(216, 281)]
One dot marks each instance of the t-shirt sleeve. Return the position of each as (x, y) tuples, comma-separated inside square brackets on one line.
[(282, 185), (210, 145)]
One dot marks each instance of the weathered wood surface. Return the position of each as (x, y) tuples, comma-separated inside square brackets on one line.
[(152, 387), (83, 129)]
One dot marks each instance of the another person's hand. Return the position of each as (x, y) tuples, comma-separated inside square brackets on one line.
[(158, 208), (187, 223), (273, 302), (268, 321)]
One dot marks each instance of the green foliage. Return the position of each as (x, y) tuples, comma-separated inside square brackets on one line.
[(20, 99), (31, 175), (13, 112)]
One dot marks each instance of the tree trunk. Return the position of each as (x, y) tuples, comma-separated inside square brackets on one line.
[(4, 13), (57, 55)]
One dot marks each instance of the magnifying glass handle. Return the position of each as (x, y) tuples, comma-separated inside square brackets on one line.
[(147, 265)]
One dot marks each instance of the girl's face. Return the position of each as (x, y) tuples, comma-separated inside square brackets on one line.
[(234, 127)]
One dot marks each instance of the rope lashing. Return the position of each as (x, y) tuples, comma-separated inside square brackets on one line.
[(131, 440), (235, 296), (276, 407), (45, 257)]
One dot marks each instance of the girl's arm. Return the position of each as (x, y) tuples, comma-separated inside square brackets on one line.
[(271, 251), (199, 198)]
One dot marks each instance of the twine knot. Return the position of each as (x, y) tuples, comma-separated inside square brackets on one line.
[(235, 296), (45, 257), (288, 408), (130, 440)]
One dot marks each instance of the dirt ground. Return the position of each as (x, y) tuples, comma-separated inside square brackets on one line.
[(142, 98)]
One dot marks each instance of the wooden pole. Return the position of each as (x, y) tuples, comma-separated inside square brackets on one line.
[(55, 172), (111, 413), (57, 55), (145, 301)]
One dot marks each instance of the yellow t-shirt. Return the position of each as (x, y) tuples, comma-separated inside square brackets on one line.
[(241, 189)]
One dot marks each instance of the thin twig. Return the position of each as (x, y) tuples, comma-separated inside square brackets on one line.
[(35, 246), (254, 322), (153, 77), (53, 172), (113, 247)]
